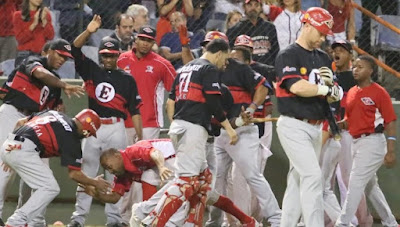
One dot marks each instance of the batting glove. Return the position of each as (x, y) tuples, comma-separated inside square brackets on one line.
[(183, 35), (335, 94), (326, 75)]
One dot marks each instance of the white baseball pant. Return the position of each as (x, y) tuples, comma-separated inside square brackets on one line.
[(368, 156), (135, 193), (35, 174), (301, 142), (108, 136), (244, 153), (9, 116)]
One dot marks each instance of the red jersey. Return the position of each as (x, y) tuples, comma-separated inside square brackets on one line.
[(32, 40), (137, 160), (152, 73), (368, 109)]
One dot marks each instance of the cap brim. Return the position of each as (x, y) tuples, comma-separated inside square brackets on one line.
[(247, 1), (64, 53), (107, 51), (334, 45), (146, 36)]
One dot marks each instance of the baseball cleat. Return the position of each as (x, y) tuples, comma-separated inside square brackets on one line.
[(74, 224), (253, 223)]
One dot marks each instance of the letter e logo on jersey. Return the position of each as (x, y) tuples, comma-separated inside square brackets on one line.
[(314, 77), (105, 92), (44, 93), (367, 101)]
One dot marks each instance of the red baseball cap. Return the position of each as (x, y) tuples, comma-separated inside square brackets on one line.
[(247, 1), (244, 40), (211, 35), (320, 19)]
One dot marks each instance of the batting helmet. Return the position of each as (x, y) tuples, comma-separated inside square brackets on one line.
[(210, 36), (90, 121), (244, 40), (320, 19)]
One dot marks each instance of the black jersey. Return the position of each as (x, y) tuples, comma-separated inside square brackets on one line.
[(346, 81), (55, 134), (242, 81), (264, 37), (293, 64), (194, 80), (111, 92), (24, 91)]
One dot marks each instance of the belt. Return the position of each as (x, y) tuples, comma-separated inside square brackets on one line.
[(210, 139), (309, 121), (24, 111), (22, 139), (361, 135), (109, 121)]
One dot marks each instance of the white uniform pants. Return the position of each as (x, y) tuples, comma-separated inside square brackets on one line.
[(369, 152), (108, 136), (9, 116), (38, 176), (245, 155), (301, 142)]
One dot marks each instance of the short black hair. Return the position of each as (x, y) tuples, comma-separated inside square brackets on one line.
[(245, 52), (372, 64), (123, 16), (217, 45)]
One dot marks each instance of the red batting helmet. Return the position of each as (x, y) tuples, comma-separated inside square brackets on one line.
[(320, 19), (210, 36), (90, 121), (244, 40)]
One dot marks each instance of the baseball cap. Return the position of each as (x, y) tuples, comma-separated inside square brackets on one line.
[(147, 32), (62, 47), (320, 19), (244, 40), (109, 45), (247, 1), (344, 43)]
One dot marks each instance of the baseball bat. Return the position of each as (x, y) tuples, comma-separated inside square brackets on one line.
[(264, 119), (335, 130)]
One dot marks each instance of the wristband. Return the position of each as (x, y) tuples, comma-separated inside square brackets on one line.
[(239, 122), (186, 45), (391, 138), (323, 90), (250, 110)]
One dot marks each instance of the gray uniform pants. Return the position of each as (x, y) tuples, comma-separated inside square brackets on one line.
[(35, 174), (108, 136)]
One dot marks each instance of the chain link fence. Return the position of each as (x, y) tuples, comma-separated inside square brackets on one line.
[(70, 17)]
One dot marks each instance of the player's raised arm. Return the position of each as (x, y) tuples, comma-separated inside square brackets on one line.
[(91, 28)]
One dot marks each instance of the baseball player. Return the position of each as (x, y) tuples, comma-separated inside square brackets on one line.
[(48, 134), (369, 113), (196, 96), (30, 88), (112, 93), (248, 90), (301, 93)]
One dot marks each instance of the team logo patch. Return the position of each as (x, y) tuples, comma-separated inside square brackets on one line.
[(149, 69), (148, 30), (68, 47), (109, 44), (367, 101), (88, 119), (105, 92), (78, 160), (256, 75), (303, 71), (288, 69), (216, 85)]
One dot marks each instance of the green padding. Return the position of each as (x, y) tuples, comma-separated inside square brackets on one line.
[(275, 172)]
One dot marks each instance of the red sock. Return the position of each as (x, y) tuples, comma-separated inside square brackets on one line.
[(148, 190), (225, 204)]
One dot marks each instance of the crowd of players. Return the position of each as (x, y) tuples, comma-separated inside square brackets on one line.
[(220, 134)]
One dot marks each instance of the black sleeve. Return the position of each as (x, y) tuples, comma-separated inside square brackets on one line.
[(214, 106), (172, 93), (135, 100), (250, 78), (30, 67), (287, 70), (71, 152), (83, 65), (211, 81)]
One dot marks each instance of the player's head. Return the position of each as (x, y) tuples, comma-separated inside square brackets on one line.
[(88, 122), (124, 27), (241, 54), (45, 48), (58, 53), (252, 8), (365, 68), (111, 160), (145, 40), (217, 52), (342, 54), (317, 24), (109, 51), (244, 41)]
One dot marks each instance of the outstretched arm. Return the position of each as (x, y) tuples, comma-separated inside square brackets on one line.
[(91, 28)]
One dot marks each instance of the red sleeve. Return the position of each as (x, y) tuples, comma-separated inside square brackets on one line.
[(274, 12), (21, 29), (48, 29), (122, 62), (385, 107), (168, 75)]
